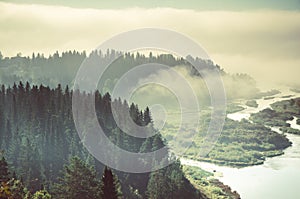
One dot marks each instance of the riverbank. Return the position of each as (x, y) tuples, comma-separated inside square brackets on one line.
[(276, 178), (241, 144), (281, 114), (210, 186)]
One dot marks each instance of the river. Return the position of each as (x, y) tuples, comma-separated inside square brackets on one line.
[(277, 178)]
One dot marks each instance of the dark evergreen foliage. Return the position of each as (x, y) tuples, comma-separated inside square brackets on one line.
[(38, 136), (4, 173), (79, 181), (109, 185)]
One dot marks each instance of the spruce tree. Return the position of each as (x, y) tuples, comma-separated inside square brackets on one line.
[(158, 186), (147, 116), (79, 181), (109, 185)]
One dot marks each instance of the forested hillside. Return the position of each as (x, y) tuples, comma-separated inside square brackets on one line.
[(38, 137), (62, 68)]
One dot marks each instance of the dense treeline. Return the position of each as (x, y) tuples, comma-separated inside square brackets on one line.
[(62, 68), (79, 181), (38, 137)]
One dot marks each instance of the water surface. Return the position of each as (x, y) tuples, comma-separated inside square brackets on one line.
[(277, 178)]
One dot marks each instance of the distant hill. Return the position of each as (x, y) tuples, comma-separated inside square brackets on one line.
[(62, 68)]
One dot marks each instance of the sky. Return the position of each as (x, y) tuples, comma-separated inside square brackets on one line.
[(187, 4), (261, 38)]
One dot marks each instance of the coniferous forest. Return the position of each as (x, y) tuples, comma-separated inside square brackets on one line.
[(62, 68), (135, 99), (43, 156)]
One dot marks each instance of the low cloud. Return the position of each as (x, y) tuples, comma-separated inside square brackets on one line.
[(263, 43)]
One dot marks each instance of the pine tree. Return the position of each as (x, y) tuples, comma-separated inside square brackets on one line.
[(157, 142), (147, 116), (110, 185), (79, 181), (158, 186)]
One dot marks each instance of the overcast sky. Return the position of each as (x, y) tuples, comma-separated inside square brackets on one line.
[(262, 39), (187, 4)]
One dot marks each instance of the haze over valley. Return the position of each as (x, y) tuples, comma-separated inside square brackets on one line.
[(149, 99)]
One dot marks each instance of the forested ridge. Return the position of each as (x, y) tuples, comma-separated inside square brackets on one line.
[(38, 137), (61, 68)]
